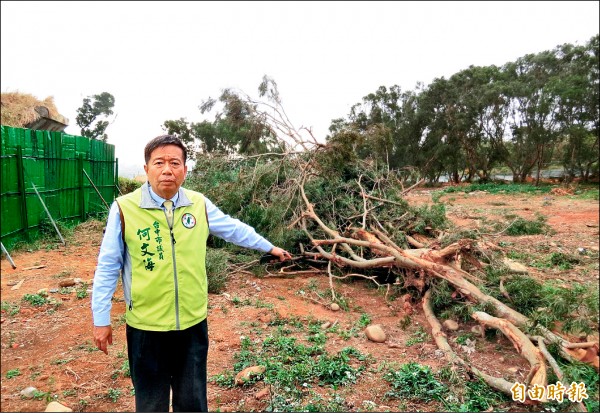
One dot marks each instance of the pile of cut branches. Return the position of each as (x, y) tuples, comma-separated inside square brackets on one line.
[(348, 219)]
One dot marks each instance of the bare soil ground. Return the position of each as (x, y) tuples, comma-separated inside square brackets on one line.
[(52, 349)]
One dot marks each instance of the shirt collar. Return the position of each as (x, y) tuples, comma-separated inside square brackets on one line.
[(158, 199)]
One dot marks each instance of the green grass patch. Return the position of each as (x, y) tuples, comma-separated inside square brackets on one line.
[(292, 367)]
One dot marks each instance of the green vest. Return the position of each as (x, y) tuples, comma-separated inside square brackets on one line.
[(165, 278)]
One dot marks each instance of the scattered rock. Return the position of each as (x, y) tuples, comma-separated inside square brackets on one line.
[(11, 283), (515, 267), (78, 280), (501, 359), (334, 307), (57, 407), (325, 325), (66, 283), (478, 330), (375, 333), (53, 290), (28, 392), (262, 394), (512, 370), (43, 292), (18, 285), (581, 251), (450, 325), (246, 374)]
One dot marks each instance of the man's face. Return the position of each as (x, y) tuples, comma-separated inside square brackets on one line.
[(166, 170)]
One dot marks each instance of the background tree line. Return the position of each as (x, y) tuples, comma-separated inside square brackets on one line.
[(539, 110)]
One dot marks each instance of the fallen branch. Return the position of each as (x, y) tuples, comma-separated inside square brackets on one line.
[(537, 375), (439, 336)]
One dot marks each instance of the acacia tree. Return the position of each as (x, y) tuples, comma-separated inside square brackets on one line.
[(237, 128), (88, 114), (577, 93)]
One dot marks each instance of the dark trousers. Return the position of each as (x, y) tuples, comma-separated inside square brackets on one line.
[(163, 360)]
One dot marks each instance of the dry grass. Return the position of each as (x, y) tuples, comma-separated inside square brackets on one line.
[(18, 109)]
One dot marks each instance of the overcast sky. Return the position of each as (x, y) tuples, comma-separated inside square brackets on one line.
[(161, 59)]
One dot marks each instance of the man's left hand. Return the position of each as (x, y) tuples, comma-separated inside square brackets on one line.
[(281, 253)]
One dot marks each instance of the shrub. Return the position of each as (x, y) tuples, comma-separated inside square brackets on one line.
[(127, 185)]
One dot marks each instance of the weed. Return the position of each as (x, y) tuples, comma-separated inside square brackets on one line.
[(10, 308), (238, 302), (225, 379), (462, 338), (122, 371), (59, 362), (293, 367), (479, 397), (364, 321), (521, 226), (87, 346), (414, 381), (405, 322), (68, 393), (11, 374), (64, 273), (113, 394), (262, 304), (82, 292), (217, 273), (42, 395), (35, 300), (419, 336)]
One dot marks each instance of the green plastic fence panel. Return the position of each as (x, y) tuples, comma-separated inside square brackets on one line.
[(50, 162)]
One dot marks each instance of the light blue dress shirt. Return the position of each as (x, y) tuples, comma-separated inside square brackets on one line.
[(112, 250)]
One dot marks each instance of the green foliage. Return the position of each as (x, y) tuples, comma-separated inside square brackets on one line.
[(499, 188), (10, 308), (582, 373), (479, 397), (576, 307), (113, 394), (122, 371), (587, 193), (35, 300), (292, 366), (419, 336), (92, 108), (81, 292), (127, 185), (364, 321), (11, 374), (414, 381), (217, 270), (522, 226)]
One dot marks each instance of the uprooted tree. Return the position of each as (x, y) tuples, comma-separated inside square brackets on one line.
[(346, 218)]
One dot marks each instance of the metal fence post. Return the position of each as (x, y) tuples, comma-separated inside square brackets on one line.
[(81, 194), (22, 193)]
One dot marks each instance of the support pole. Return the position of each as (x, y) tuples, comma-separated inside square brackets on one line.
[(48, 213), (22, 192), (98, 192), (8, 256)]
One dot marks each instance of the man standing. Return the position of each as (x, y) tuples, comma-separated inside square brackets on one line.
[(156, 240)]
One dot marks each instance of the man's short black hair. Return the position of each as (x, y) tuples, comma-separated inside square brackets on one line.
[(164, 140)]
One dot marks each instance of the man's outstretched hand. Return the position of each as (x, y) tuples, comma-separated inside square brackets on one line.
[(280, 253)]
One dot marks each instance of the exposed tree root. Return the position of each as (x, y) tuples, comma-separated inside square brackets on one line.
[(440, 338)]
